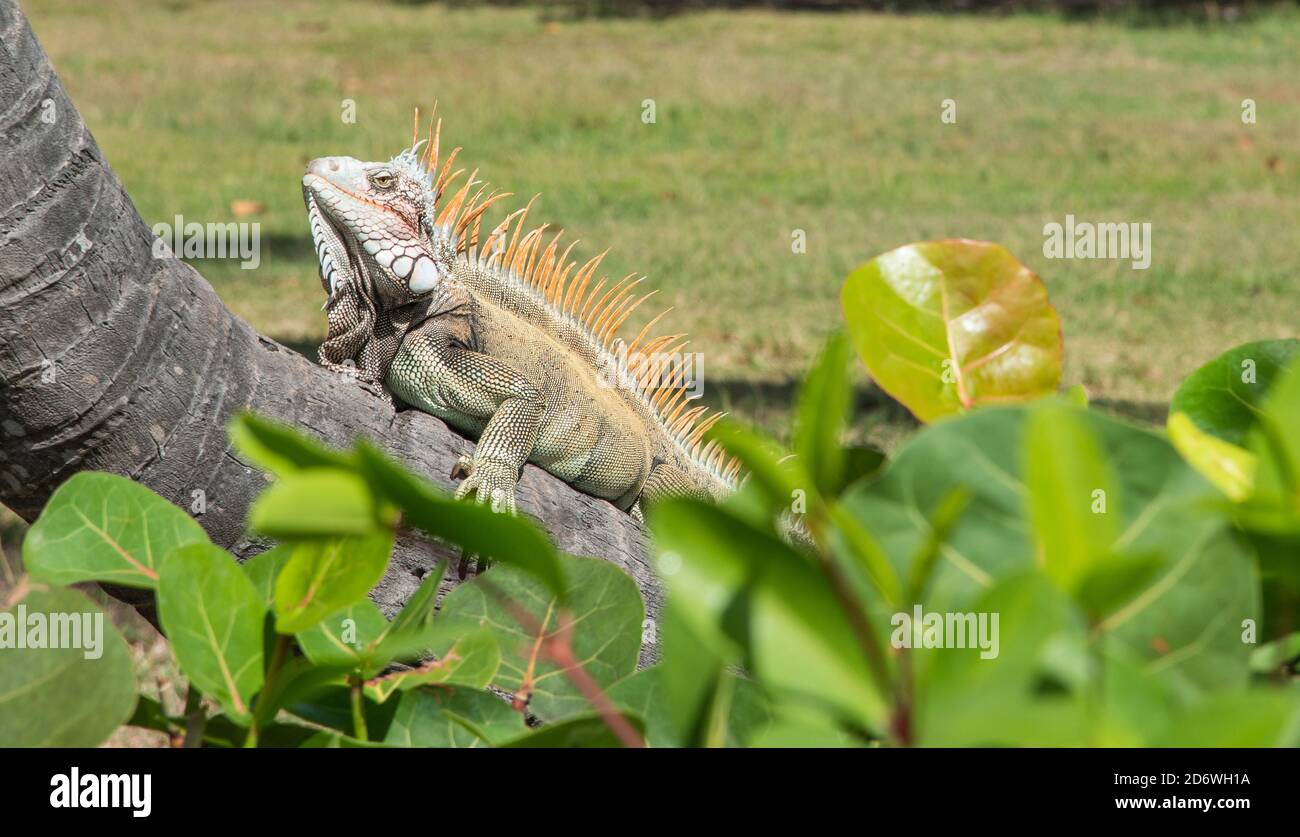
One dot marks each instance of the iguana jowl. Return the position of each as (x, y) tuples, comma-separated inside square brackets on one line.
[(509, 342)]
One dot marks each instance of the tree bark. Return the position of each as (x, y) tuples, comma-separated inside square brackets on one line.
[(114, 359)]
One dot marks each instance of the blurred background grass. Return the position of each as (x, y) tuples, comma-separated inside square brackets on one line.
[(767, 122)]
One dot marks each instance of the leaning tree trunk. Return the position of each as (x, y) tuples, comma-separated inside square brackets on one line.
[(113, 359)]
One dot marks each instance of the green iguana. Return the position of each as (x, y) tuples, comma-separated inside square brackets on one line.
[(509, 342)]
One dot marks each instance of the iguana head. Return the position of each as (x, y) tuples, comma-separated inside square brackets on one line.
[(372, 223)]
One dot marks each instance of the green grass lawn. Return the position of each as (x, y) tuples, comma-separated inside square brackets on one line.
[(766, 123)]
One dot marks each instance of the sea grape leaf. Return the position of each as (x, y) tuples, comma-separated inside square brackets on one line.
[(322, 576), (944, 326), (603, 605), (318, 502), (102, 527), (330, 705), (642, 693), (983, 695), (1072, 501), (263, 568), (1256, 718), (1229, 468), (769, 601), (439, 716), (472, 660), (61, 696), (1275, 442), (214, 619), (587, 730), (1181, 622), (1224, 397), (801, 733), (346, 637), (822, 411), (279, 448)]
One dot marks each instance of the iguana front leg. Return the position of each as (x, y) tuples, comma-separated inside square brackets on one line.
[(473, 392)]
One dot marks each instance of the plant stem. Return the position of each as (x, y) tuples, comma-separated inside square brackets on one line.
[(853, 608), (902, 722), (278, 656), (195, 718), (358, 709)]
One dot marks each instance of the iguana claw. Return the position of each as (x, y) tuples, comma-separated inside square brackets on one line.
[(491, 482)]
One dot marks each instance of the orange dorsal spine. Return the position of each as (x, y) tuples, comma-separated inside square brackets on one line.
[(649, 362)]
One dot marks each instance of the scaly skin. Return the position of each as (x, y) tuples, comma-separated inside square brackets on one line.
[(493, 343)]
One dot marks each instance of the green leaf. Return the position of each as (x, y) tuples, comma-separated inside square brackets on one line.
[(214, 620), (418, 613), (822, 410), (645, 694), (1113, 580), (1273, 655), (346, 638), (751, 710), (944, 326), (780, 477), (69, 696), (339, 741), (1229, 468), (853, 540), (359, 639), (693, 678), (446, 717), (222, 733), (413, 631), (476, 529), (149, 714), (1134, 705), (318, 502), (588, 730), (279, 448), (1073, 502), (1224, 397), (324, 576), (1247, 719), (282, 736), (642, 694), (472, 660), (989, 691), (860, 462), (801, 733), (330, 705), (1183, 624), (771, 602), (102, 527), (603, 605), (1275, 441), (264, 567), (299, 681)]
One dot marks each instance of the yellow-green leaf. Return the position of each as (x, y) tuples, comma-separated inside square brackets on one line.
[(944, 326)]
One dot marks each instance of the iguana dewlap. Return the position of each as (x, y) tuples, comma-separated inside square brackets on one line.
[(509, 342)]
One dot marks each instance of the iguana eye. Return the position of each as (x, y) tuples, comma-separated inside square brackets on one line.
[(382, 179)]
